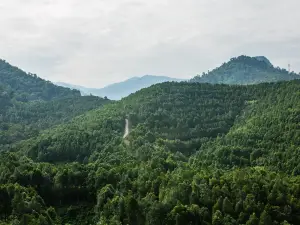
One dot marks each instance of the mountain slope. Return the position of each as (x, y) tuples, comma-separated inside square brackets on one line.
[(28, 87), (29, 104), (83, 90), (267, 134), (156, 112), (24, 120), (119, 90), (246, 70), (196, 154)]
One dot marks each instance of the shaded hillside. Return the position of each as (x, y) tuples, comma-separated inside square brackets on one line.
[(196, 154), (266, 134), (24, 120), (122, 89), (181, 115), (29, 104), (246, 70), (26, 87)]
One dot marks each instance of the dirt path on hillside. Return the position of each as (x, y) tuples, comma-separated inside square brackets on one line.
[(126, 128)]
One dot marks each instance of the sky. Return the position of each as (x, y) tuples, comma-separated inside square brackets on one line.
[(94, 43)]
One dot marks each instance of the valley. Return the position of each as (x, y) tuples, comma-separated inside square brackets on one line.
[(218, 149)]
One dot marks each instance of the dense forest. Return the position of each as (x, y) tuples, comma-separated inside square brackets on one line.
[(196, 153), (29, 104), (246, 70), (25, 87)]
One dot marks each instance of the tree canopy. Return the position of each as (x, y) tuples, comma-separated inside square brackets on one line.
[(196, 153), (246, 70)]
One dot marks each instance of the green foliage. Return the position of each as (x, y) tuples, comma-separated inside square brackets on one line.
[(29, 104), (24, 120), (21, 205), (246, 70), (178, 117), (266, 134), (196, 154), (253, 220), (25, 87)]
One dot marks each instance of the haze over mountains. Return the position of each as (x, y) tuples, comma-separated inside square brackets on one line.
[(122, 89), (198, 152), (240, 70)]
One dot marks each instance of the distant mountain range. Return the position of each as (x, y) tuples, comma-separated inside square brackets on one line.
[(120, 90), (192, 153), (246, 70), (240, 70)]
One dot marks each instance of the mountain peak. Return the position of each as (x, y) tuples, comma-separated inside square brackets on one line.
[(257, 61), (246, 70), (263, 59)]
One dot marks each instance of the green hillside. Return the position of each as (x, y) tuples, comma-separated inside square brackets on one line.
[(24, 120), (195, 154), (25, 87), (29, 104), (180, 116), (246, 70), (266, 134)]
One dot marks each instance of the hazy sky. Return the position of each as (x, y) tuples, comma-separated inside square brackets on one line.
[(97, 42)]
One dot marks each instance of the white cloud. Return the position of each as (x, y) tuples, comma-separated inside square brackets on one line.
[(97, 42)]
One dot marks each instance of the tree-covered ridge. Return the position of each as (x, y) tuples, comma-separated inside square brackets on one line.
[(26, 87), (246, 70), (177, 166), (180, 116), (5, 100), (21, 121), (266, 134), (29, 104)]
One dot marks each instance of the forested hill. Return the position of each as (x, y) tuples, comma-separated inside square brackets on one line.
[(29, 104), (246, 70), (267, 133), (195, 154), (20, 121), (26, 87), (181, 115)]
